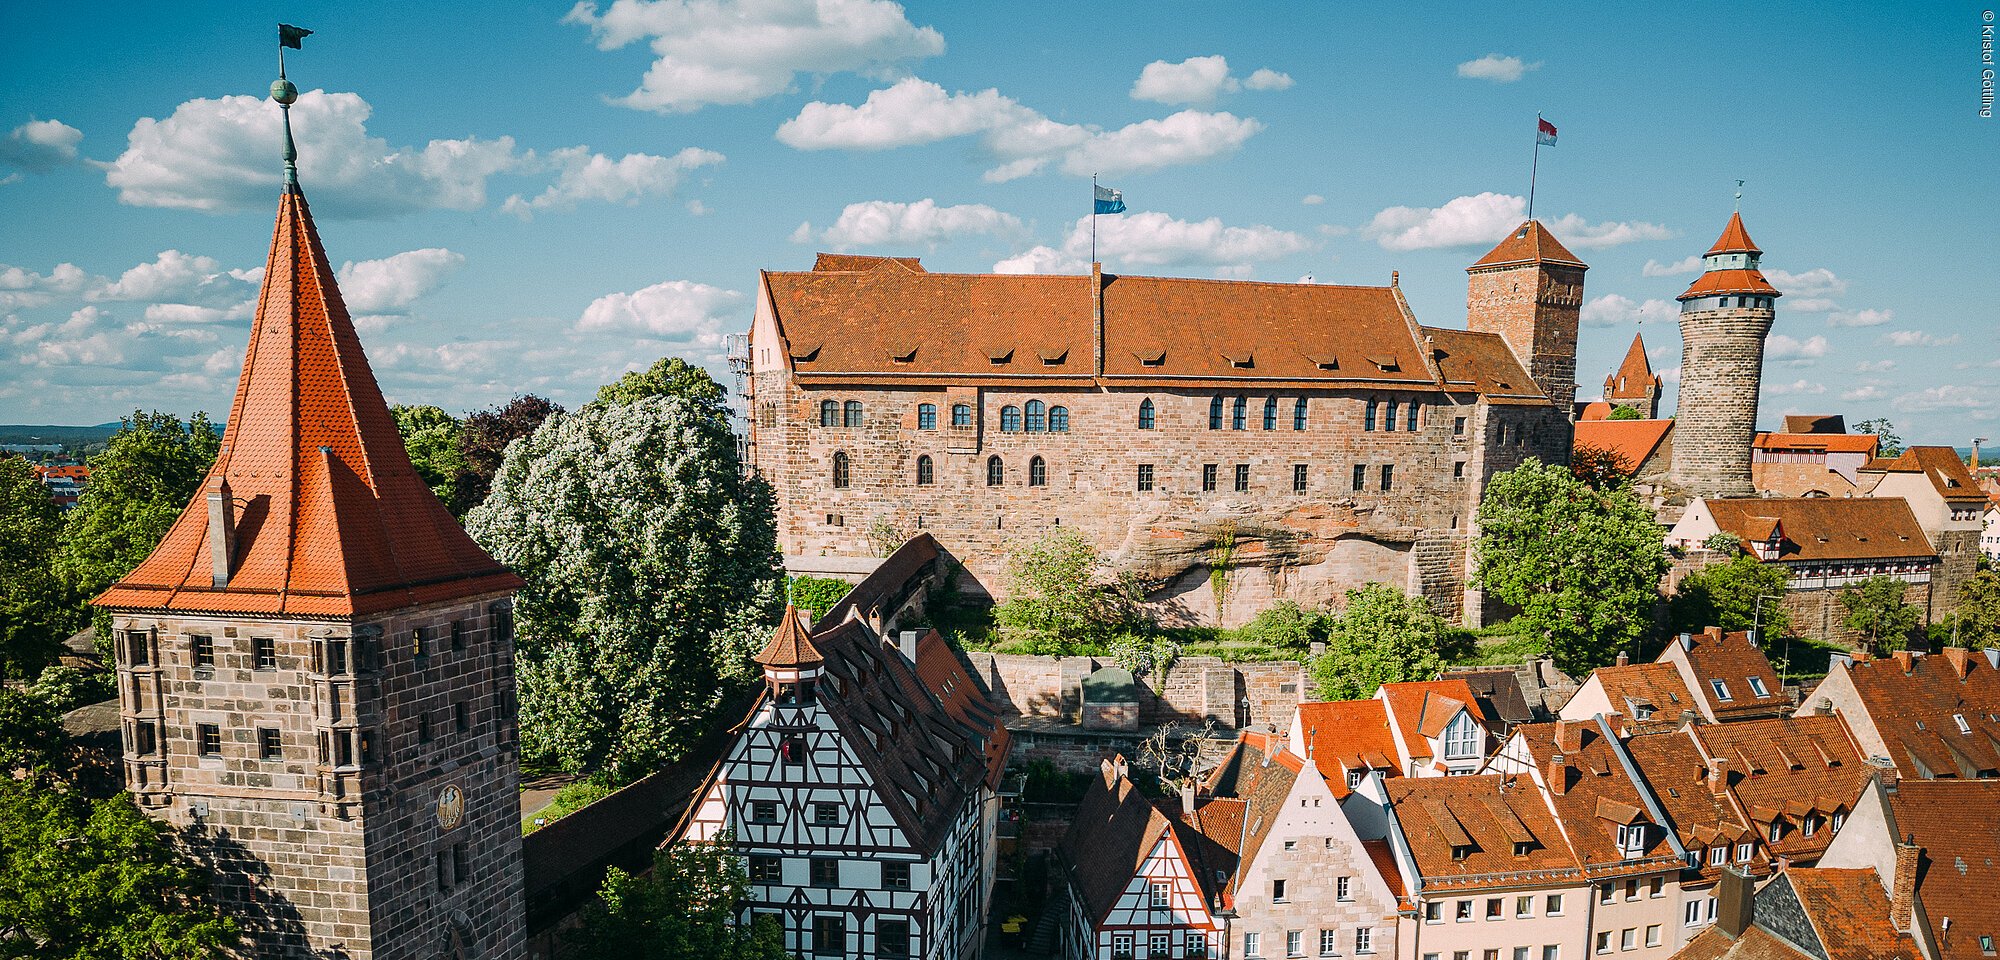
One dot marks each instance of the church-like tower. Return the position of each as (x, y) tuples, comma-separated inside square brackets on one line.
[(1529, 290), (315, 666), (1635, 384), (1725, 315)]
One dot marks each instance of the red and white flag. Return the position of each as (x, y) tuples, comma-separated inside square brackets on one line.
[(1545, 132)]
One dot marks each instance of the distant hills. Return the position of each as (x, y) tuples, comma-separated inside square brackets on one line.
[(52, 433)]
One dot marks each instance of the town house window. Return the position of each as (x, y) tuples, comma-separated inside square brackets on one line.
[(840, 476), (1238, 412), (892, 937), (825, 872), (927, 416), (1058, 419), (829, 413), (1121, 945), (996, 472), (1215, 413), (1160, 894), (896, 876), (1299, 414), (1037, 417), (1038, 472), (1010, 419), (766, 869), (853, 413), (830, 935), (1461, 737), (1270, 413), (925, 475), (961, 415), (1146, 414)]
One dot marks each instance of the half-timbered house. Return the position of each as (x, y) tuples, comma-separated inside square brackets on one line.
[(1146, 877), (861, 791)]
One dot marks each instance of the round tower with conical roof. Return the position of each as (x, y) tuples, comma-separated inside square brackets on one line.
[(1725, 316)]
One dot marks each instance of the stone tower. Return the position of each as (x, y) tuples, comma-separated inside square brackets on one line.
[(315, 666), (1725, 315), (1529, 290), (1635, 384)]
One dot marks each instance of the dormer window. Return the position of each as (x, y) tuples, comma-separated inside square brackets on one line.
[(1462, 738), (1959, 719), (1632, 840), (1461, 851)]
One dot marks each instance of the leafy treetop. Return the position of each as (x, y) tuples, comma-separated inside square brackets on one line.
[(1383, 636)]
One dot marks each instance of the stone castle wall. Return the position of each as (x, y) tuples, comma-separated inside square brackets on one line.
[(1195, 689), (1722, 363), (1535, 308)]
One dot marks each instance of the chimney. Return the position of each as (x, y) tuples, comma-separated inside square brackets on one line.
[(1718, 775), (1569, 735), (1905, 660), (906, 641), (1557, 775), (221, 531), (1118, 767), (1960, 659), (1712, 633), (1903, 888), (1687, 642), (1623, 660), (1735, 903), (1187, 800)]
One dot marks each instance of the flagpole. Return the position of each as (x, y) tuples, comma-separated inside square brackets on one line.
[(1534, 166), (1093, 218)]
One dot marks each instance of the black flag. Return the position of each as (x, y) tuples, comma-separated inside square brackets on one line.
[(291, 36)]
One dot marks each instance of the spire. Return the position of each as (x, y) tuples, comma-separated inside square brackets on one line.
[(1734, 238), (1529, 243), (790, 646), (325, 515), (1636, 368), (1730, 268)]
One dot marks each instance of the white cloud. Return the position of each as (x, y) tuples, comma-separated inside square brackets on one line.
[(1782, 347), (1655, 268), (696, 208), (174, 277), (391, 284), (1794, 388), (1312, 199), (1817, 282), (1917, 338), (1574, 231), (1194, 80), (593, 176), (1496, 68), (1152, 238), (1264, 78), (741, 51), (1964, 397), (878, 222), (1867, 391), (1861, 318), (1482, 219), (1613, 309), (39, 146), (1875, 366), (1042, 259), (25, 288), (680, 311), (1021, 139)]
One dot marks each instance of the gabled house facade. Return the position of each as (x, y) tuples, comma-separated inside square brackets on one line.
[(1928, 717), (1144, 881), (1932, 846)]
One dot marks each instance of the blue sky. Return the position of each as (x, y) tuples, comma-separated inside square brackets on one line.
[(535, 197)]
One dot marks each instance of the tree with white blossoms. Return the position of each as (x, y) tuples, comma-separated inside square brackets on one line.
[(653, 574)]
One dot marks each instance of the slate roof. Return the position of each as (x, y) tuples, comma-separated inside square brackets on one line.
[(1498, 693), (332, 519), (1116, 826), (1912, 700), (1788, 767), (1957, 823), (1485, 814), (1528, 243), (1826, 528)]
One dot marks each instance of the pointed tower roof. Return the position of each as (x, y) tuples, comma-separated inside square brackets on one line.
[(1734, 238), (326, 517), (791, 645), (1529, 243), (1636, 373)]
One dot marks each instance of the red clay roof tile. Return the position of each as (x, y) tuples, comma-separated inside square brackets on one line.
[(1734, 238), (1528, 243), (1827, 528)]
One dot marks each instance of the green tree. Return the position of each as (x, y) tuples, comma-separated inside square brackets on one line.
[(1889, 444), (1978, 612), (1287, 626), (434, 440), (32, 608), (667, 377), (139, 485), (685, 909), (31, 739), (1876, 610), (483, 444), (1624, 412), (652, 574), (1725, 595), (1582, 565), (816, 595), (1053, 589), (1383, 636), (85, 879)]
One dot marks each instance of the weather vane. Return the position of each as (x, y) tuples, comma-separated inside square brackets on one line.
[(286, 94), (1739, 195)]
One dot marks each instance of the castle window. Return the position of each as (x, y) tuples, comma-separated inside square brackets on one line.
[(1389, 423), (1298, 478), (925, 475), (343, 748), (145, 739), (961, 415), (1368, 418), (1215, 413), (336, 657), (1208, 478), (1458, 469), (1058, 419), (1411, 423), (270, 744), (1360, 477), (208, 739), (1270, 413), (503, 624), (1242, 478), (460, 630), (1299, 414), (1146, 414), (1036, 418), (996, 472), (927, 416), (1388, 476), (1038, 472), (419, 644), (1500, 434), (1237, 413), (367, 739), (1010, 419), (852, 414), (423, 728), (201, 650), (1458, 426), (840, 471), (461, 716), (1145, 478), (829, 413)]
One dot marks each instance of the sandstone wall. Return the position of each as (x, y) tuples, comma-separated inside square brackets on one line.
[(1722, 365), (1195, 689)]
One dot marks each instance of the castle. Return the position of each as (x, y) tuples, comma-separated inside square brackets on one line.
[(1230, 442)]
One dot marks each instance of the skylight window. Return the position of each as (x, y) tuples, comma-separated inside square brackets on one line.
[(1757, 687), (1721, 690), (1959, 719)]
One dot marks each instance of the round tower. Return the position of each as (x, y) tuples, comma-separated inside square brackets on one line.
[(1725, 315)]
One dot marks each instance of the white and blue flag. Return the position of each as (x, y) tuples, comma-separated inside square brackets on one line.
[(1107, 200)]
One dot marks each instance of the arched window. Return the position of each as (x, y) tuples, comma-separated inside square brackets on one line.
[(1146, 414), (1299, 414), (925, 477), (840, 471), (853, 413), (1411, 423), (1270, 413), (1389, 422), (961, 415), (1036, 417), (1237, 413), (927, 416), (996, 472), (1368, 422), (1058, 419), (1038, 472), (829, 413), (1010, 419), (1215, 414)]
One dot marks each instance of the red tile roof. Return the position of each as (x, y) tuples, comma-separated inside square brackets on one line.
[(1826, 528), (1957, 823), (1734, 238), (1718, 282), (1343, 735), (1952, 478), (1528, 243), (1483, 816), (1634, 375), (1678, 777), (1658, 685), (1788, 768), (1421, 709), (1756, 943), (1597, 795), (1114, 829), (1912, 702), (1829, 442), (790, 645), (1471, 360), (1733, 659), (333, 521), (1631, 441), (1849, 912)]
